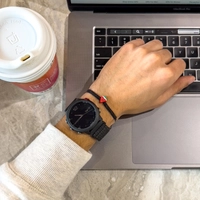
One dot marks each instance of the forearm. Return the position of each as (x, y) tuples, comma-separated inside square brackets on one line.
[(44, 169), (48, 165)]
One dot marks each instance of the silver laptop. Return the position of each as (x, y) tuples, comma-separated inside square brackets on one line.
[(167, 137)]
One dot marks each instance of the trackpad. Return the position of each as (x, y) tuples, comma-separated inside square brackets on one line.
[(169, 135)]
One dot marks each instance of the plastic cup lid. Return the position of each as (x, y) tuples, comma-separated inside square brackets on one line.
[(24, 38)]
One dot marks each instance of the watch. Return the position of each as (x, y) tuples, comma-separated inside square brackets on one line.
[(83, 116)]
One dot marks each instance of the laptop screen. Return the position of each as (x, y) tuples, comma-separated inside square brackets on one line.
[(136, 6), (134, 2)]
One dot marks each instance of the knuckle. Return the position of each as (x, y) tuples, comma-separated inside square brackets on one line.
[(181, 63), (167, 52), (142, 51), (159, 42), (128, 46), (169, 74), (132, 45), (165, 75), (155, 57)]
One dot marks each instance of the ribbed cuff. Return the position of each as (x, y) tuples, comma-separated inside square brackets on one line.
[(50, 162)]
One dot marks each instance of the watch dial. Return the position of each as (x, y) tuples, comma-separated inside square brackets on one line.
[(82, 115)]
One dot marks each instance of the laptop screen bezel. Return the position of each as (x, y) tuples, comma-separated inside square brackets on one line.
[(135, 8)]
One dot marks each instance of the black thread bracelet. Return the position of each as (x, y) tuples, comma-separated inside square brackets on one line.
[(104, 103)]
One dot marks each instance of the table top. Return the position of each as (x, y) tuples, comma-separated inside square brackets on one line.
[(23, 116)]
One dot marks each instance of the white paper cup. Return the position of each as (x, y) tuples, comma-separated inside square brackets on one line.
[(27, 50)]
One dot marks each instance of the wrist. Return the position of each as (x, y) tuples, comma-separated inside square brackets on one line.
[(83, 140), (113, 104), (105, 115)]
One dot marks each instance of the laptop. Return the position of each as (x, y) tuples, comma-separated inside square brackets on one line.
[(167, 137)]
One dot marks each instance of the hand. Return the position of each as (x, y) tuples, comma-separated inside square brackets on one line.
[(140, 77)]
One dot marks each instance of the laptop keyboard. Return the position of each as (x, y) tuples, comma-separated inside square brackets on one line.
[(182, 43)]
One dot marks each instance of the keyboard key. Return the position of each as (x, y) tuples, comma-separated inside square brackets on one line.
[(119, 31), (194, 88), (96, 73), (113, 32), (179, 52), (103, 52), (187, 63), (167, 31), (185, 41), (112, 41), (115, 50), (100, 63), (192, 52), (163, 39), (173, 41), (123, 40), (198, 75), (126, 32), (137, 31), (195, 63), (196, 40), (188, 31), (100, 31), (148, 38), (149, 31), (190, 73), (171, 50), (100, 41)]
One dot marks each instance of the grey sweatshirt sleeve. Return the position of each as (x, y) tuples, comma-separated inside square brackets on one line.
[(44, 169)]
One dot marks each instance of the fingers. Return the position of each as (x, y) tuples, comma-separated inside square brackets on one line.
[(175, 69), (163, 55), (136, 43), (178, 86), (153, 45), (130, 46)]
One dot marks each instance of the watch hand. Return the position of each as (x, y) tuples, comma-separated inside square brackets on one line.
[(80, 115)]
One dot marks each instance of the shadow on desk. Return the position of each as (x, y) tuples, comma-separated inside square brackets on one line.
[(10, 94)]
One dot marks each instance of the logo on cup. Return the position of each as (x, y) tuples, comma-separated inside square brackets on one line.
[(13, 39), (19, 50)]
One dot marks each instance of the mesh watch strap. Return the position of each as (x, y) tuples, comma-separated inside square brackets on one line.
[(100, 130)]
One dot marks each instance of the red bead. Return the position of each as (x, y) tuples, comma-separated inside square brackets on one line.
[(102, 99)]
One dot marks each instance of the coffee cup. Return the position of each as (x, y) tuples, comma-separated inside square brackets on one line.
[(27, 50)]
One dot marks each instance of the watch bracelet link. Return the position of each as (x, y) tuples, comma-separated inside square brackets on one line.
[(100, 130)]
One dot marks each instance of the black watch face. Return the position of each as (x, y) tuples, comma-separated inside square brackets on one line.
[(81, 115)]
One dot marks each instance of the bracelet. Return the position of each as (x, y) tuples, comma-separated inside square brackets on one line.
[(102, 99)]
